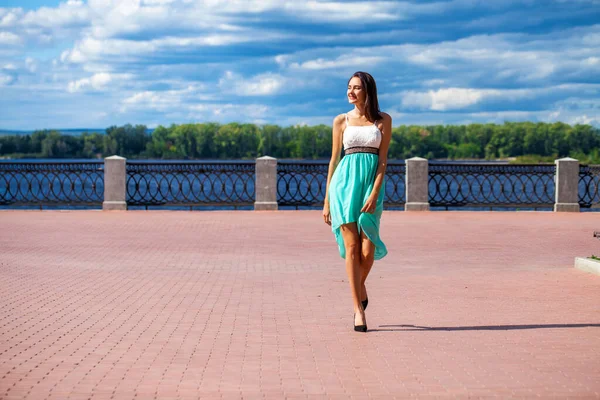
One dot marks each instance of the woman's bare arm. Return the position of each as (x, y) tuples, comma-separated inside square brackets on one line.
[(336, 149), (386, 135)]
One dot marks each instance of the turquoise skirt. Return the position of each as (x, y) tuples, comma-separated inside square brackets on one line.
[(350, 186)]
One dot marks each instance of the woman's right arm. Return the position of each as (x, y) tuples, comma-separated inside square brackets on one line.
[(336, 149)]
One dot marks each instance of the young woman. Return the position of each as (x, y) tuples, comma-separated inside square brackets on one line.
[(355, 186)]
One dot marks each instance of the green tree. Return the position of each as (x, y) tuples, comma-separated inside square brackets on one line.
[(249, 139), (269, 139), (127, 140), (205, 142), (93, 144)]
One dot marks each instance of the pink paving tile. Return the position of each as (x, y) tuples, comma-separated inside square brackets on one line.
[(256, 305)]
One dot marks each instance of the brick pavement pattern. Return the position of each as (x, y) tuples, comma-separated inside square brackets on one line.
[(244, 304)]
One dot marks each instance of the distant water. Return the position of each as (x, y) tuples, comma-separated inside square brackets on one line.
[(73, 132)]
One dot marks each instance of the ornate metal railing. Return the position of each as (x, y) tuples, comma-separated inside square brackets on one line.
[(487, 185), (57, 183), (589, 186), (193, 183), (299, 184), (395, 184), (302, 183)]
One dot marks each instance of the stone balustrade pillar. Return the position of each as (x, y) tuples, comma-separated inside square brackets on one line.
[(115, 178), (417, 184), (266, 184), (566, 182)]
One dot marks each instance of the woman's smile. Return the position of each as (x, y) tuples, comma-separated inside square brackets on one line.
[(355, 91)]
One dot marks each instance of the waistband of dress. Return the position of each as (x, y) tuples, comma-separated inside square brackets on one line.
[(361, 149)]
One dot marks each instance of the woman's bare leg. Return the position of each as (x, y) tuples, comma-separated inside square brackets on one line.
[(367, 257), (352, 245)]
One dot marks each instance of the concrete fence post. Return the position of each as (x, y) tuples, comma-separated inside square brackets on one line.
[(266, 184), (115, 178), (417, 184), (566, 182)]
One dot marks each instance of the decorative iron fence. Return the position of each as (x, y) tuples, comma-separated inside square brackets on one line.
[(193, 183), (589, 186), (303, 183), (487, 185), (43, 183), (395, 184), (299, 184)]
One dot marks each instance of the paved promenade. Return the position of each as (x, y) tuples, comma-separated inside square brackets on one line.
[(244, 304)]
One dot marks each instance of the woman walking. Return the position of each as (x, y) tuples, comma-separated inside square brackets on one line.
[(355, 186)]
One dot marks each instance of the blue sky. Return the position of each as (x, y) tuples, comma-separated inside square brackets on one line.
[(96, 63)]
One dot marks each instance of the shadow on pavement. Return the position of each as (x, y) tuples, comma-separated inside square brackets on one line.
[(479, 328)]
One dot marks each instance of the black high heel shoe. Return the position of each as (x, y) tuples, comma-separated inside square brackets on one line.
[(359, 328), (365, 303)]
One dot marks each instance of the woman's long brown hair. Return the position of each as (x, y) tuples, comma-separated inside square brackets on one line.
[(371, 104)]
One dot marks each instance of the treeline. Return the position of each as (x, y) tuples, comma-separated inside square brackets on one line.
[(527, 140)]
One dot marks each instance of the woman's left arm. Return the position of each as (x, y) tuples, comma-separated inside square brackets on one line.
[(385, 126)]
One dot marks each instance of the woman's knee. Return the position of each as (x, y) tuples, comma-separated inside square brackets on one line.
[(367, 251), (367, 256), (353, 249)]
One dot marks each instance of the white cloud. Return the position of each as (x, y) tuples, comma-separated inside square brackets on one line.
[(229, 112), (497, 117), (322, 11), (198, 24), (149, 99), (31, 65), (166, 100), (9, 38), (91, 49), (331, 61), (9, 17), (8, 74), (584, 119), (595, 2), (71, 13), (193, 104), (445, 99), (158, 2), (518, 58), (259, 85), (579, 104), (433, 82), (342, 61), (591, 61), (591, 39), (166, 47), (44, 26), (97, 81), (343, 11), (576, 110), (111, 18), (203, 40), (6, 79), (454, 98)]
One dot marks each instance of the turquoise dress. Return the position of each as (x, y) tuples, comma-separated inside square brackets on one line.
[(352, 183)]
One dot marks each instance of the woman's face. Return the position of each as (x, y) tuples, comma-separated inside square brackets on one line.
[(356, 93)]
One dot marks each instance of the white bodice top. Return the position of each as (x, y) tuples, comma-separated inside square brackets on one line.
[(361, 135)]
